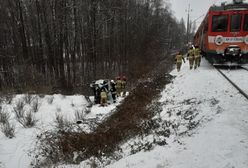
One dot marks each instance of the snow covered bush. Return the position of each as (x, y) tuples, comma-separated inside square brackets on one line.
[(35, 105), (1, 99), (47, 151), (3, 116), (62, 123), (50, 99), (19, 109), (29, 120), (25, 118), (8, 98), (28, 98), (8, 129)]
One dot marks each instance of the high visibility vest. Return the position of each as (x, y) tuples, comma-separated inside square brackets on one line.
[(118, 84), (103, 94), (179, 58), (197, 52), (123, 84), (191, 53)]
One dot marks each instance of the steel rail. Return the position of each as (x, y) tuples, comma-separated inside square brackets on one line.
[(230, 81), (244, 68)]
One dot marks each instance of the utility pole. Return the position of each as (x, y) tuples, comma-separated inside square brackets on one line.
[(188, 24)]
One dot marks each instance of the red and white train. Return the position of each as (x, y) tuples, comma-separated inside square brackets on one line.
[(223, 34)]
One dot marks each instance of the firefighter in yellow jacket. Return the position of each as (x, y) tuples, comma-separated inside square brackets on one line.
[(179, 59), (118, 86), (104, 97), (197, 53), (191, 57)]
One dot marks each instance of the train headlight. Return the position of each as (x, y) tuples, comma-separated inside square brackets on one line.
[(219, 40), (246, 39)]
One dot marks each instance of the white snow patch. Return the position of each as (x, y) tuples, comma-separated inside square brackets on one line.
[(221, 139)]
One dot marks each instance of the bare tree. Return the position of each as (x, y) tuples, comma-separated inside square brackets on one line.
[(60, 44)]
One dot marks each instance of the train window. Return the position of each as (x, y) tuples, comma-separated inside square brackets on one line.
[(235, 22), (246, 23), (219, 23)]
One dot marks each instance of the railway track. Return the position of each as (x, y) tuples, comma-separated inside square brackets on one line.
[(244, 68), (234, 84)]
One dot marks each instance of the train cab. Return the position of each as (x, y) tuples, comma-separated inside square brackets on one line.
[(223, 34)]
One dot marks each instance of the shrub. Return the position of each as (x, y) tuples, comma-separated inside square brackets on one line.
[(50, 99), (8, 98), (29, 120), (26, 119), (19, 109), (28, 98), (8, 129), (35, 105), (4, 117), (62, 123)]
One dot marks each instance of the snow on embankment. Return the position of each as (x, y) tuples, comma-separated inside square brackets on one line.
[(210, 123), (15, 152)]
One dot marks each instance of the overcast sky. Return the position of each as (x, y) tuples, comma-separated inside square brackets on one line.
[(199, 8)]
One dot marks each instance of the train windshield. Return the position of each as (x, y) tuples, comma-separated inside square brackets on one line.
[(246, 23), (235, 23), (220, 23)]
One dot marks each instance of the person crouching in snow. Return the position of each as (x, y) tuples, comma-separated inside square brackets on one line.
[(179, 59), (103, 97)]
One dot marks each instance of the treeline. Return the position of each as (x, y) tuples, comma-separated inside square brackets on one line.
[(67, 43)]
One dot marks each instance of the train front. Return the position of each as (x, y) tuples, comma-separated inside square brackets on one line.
[(228, 33)]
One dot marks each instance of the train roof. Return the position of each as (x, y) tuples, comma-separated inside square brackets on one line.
[(224, 7)]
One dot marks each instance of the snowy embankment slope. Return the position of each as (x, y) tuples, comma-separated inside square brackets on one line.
[(15, 152), (220, 140), (209, 125)]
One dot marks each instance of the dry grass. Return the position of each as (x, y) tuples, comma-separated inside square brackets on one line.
[(125, 123)]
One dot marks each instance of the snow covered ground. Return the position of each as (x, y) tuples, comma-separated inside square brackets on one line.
[(14, 153), (238, 76), (211, 133), (221, 139)]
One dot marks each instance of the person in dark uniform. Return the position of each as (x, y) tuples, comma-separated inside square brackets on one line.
[(97, 94), (113, 90)]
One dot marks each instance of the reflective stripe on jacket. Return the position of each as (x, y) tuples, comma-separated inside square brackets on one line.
[(179, 58), (197, 52), (118, 84), (191, 53), (103, 95)]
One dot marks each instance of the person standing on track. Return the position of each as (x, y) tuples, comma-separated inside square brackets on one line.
[(178, 60)]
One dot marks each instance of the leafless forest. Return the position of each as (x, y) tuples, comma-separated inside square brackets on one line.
[(49, 45)]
